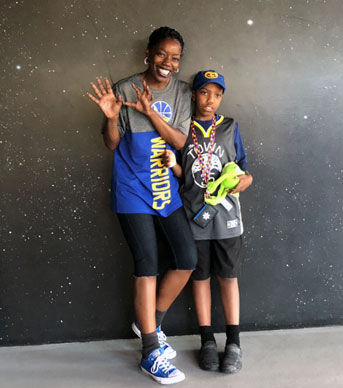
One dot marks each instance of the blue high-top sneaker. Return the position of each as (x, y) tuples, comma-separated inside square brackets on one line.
[(160, 369), (168, 351)]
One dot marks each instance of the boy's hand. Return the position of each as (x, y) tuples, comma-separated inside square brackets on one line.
[(169, 159), (244, 182)]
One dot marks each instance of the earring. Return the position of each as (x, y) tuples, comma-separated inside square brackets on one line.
[(176, 71), (146, 61)]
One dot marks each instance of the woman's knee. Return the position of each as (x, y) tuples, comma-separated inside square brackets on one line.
[(183, 273)]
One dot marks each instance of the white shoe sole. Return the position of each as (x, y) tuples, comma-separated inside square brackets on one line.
[(166, 380)]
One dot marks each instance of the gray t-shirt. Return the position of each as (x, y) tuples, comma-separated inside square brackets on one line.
[(173, 103)]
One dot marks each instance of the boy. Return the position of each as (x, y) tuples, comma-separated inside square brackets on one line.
[(214, 140)]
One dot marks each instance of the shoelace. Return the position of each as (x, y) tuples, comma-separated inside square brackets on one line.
[(161, 363), (161, 338)]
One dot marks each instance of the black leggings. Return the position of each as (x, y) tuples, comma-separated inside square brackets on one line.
[(139, 231)]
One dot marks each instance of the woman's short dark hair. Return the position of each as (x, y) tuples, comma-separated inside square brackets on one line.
[(163, 33)]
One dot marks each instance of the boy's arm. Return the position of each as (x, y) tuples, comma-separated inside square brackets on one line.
[(169, 160), (241, 156), (241, 159)]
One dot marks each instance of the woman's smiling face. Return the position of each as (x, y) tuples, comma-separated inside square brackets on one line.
[(164, 60)]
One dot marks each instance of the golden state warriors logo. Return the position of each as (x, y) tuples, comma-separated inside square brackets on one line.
[(216, 167), (163, 109), (211, 74)]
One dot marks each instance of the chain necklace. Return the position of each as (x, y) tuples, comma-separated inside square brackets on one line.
[(205, 168)]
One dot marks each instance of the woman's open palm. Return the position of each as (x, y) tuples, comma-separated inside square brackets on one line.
[(106, 100)]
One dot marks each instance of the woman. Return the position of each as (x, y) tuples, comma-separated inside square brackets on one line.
[(148, 113)]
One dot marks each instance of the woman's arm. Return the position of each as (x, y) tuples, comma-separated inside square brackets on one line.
[(111, 133), (111, 106), (171, 135)]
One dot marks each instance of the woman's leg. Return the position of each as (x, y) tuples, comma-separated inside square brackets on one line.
[(170, 287), (145, 303), (181, 243), (139, 231)]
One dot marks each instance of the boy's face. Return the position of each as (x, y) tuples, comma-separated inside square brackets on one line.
[(207, 100)]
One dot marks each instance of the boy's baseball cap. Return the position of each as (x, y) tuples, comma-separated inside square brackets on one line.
[(208, 77)]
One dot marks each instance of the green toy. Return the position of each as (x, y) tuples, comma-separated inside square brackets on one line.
[(228, 180)]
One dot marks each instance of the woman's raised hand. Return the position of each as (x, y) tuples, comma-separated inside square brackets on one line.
[(144, 100), (107, 101)]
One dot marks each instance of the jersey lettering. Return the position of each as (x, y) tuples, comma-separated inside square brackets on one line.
[(159, 175)]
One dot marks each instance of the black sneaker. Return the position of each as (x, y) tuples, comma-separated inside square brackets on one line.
[(208, 357), (232, 361)]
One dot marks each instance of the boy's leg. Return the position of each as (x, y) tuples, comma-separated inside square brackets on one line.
[(229, 292), (201, 278), (208, 356), (228, 253), (202, 301)]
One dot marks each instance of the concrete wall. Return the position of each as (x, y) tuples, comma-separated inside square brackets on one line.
[(65, 269)]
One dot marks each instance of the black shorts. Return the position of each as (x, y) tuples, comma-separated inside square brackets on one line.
[(218, 257), (139, 231)]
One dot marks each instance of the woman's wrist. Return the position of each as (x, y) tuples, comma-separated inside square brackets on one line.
[(150, 113), (113, 118)]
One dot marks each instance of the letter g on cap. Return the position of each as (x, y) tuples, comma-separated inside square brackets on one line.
[(211, 74)]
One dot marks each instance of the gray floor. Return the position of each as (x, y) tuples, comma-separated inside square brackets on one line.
[(302, 358)]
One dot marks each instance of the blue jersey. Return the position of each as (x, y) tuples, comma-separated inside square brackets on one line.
[(140, 182)]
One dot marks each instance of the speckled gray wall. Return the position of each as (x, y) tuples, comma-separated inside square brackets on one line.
[(65, 268)]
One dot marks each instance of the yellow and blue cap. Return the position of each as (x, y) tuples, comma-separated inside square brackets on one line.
[(208, 77)]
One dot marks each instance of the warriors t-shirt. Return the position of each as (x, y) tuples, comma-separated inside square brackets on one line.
[(140, 182)]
